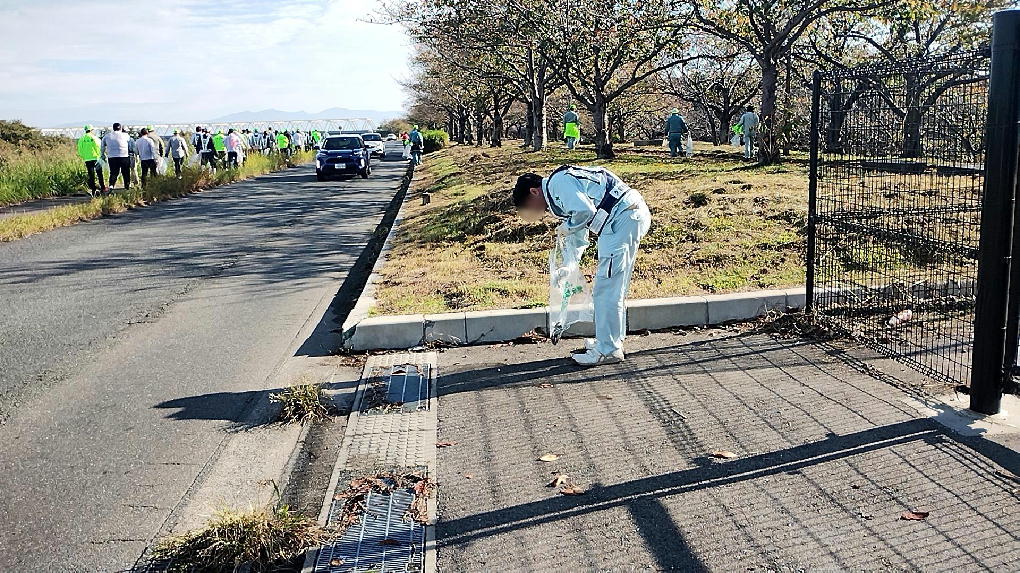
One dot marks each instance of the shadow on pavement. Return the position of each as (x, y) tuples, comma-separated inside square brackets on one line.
[(827, 458)]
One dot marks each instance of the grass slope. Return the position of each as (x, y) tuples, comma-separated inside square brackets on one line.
[(718, 225), (161, 188)]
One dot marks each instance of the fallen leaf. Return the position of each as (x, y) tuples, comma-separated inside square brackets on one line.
[(549, 458), (336, 562), (573, 490), (389, 541), (559, 480), (914, 515), (725, 454), (445, 444)]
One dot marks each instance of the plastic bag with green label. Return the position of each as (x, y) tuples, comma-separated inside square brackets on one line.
[(569, 292)]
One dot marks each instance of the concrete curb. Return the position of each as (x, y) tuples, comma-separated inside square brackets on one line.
[(486, 327)]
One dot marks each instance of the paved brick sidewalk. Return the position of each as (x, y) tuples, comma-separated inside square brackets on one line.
[(829, 457)]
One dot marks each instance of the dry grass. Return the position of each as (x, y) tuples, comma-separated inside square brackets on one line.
[(261, 540), (301, 403), (162, 188), (719, 225)]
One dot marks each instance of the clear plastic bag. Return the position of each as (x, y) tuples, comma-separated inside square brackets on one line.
[(569, 292), (160, 166), (689, 145), (735, 140)]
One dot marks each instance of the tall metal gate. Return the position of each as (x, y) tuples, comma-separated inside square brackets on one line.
[(897, 172)]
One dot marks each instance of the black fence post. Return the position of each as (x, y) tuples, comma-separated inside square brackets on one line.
[(816, 89), (997, 217)]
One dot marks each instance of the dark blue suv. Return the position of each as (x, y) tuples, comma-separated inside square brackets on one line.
[(341, 154)]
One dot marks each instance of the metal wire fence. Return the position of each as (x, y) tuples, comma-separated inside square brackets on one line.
[(896, 187)]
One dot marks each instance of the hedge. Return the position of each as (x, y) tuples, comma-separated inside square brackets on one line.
[(435, 139)]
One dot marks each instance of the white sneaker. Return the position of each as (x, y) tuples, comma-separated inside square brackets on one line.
[(594, 358), (589, 344)]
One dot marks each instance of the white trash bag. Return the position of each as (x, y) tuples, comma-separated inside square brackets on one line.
[(569, 292), (160, 166), (735, 140), (689, 145)]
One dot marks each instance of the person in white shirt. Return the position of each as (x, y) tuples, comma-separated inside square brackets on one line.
[(148, 154), (750, 123), (233, 148), (177, 149), (115, 151)]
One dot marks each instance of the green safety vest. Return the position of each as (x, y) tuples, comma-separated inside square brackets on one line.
[(571, 130), (219, 142), (88, 147), (316, 136), (281, 141)]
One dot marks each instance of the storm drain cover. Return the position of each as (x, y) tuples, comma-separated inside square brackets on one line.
[(405, 388), (382, 542)]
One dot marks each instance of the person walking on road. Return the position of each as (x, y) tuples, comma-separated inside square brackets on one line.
[(316, 138), (749, 124), (417, 145), (282, 143), (177, 149), (206, 150), (220, 147), (90, 149), (595, 200), (233, 144), (147, 154), (676, 132), (115, 149), (571, 127)]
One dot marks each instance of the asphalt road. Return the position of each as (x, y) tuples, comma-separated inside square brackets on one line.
[(130, 346)]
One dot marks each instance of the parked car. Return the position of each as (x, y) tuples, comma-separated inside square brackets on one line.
[(374, 142), (391, 137), (342, 154)]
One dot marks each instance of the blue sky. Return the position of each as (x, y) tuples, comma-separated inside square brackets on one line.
[(188, 60)]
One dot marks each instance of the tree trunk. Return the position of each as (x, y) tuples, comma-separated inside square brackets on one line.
[(479, 125), (462, 125), (529, 129), (538, 108), (767, 147), (621, 129), (837, 115), (600, 121), (497, 122), (913, 119)]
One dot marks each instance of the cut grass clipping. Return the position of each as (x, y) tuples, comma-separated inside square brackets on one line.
[(161, 188), (304, 402), (262, 540)]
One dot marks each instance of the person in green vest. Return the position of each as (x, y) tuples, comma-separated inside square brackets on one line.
[(571, 127), (282, 142), (89, 151), (316, 138), (219, 142), (737, 139)]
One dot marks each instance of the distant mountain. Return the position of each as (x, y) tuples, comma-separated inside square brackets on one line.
[(331, 113)]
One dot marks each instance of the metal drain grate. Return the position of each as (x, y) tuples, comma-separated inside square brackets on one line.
[(382, 542), (405, 388)]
